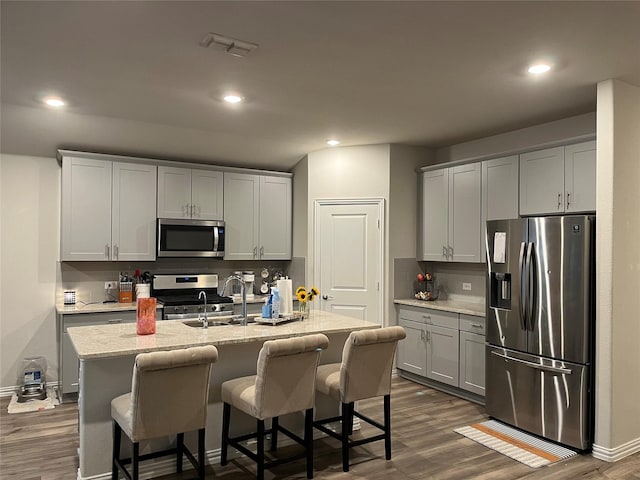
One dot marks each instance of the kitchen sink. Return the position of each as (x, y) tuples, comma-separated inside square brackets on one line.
[(228, 321), (210, 323)]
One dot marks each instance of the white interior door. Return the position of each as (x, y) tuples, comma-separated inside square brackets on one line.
[(348, 258)]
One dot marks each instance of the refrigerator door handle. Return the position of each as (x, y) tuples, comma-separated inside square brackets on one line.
[(531, 286), (563, 371), (523, 290)]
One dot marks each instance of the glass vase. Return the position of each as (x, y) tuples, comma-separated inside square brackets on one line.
[(145, 316)]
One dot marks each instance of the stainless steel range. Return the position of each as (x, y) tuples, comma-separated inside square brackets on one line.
[(182, 298)]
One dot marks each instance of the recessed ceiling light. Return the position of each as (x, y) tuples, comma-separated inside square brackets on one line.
[(539, 68), (232, 98), (54, 102), (333, 143)]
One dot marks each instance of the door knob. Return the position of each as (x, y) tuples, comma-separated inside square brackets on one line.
[(327, 297)]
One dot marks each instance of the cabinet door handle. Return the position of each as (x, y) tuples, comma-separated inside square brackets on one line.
[(451, 254), (422, 337), (444, 251), (116, 252), (559, 200), (255, 252), (428, 336), (106, 251), (261, 251), (568, 200), (114, 320), (477, 325)]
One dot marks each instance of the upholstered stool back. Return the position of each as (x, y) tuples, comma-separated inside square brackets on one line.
[(169, 393), (367, 361)]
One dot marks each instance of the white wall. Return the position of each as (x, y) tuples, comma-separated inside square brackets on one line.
[(618, 271), (403, 213), (29, 246), (530, 138), (300, 210), (345, 172)]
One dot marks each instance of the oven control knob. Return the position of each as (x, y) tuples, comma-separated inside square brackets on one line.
[(185, 309), (175, 309), (217, 308)]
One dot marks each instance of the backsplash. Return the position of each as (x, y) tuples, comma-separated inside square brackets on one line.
[(88, 278), (450, 278)]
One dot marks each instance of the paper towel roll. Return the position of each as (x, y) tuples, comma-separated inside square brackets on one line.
[(285, 290)]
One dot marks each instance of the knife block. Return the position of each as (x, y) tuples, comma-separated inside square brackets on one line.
[(126, 292)]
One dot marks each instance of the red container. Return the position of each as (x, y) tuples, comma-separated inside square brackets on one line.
[(145, 316)]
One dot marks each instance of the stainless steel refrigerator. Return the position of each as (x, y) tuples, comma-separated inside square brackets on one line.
[(540, 326)]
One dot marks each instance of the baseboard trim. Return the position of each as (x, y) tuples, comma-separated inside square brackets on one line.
[(8, 391), (616, 453), (167, 466), (159, 467)]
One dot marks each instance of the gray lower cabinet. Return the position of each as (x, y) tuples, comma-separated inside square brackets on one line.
[(412, 351), (442, 354), (431, 346), (67, 357), (443, 346)]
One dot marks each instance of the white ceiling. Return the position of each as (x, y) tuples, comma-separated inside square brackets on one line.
[(421, 73)]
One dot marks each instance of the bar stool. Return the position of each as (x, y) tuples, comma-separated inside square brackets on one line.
[(365, 372), (284, 383), (169, 396)]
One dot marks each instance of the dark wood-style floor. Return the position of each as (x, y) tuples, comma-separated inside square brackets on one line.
[(42, 446)]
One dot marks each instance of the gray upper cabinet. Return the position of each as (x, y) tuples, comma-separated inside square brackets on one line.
[(257, 217), (580, 177), (499, 191), (500, 188), (190, 193), (108, 210), (435, 215), (451, 214), (558, 180)]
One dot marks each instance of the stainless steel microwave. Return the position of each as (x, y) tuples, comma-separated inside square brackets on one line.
[(190, 238)]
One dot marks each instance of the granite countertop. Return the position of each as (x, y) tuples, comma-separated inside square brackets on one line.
[(120, 307), (450, 305), (102, 341), (96, 308)]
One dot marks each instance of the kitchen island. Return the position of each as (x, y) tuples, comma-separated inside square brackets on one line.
[(107, 354)]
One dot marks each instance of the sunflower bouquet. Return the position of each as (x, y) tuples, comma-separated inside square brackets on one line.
[(305, 296)]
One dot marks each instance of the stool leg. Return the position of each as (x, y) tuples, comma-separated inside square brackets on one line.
[(260, 460), (275, 422), (387, 427), (352, 407), (308, 440), (344, 427), (117, 435), (135, 460), (179, 452), (226, 413), (201, 454)]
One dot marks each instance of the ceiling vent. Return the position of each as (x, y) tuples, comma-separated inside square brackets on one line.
[(233, 46)]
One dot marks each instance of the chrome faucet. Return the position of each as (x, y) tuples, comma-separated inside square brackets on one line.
[(243, 320), (205, 321)]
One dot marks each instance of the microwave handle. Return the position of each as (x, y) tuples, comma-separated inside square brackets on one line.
[(216, 239)]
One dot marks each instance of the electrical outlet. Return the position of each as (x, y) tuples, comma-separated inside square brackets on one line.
[(109, 285), (466, 286)]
